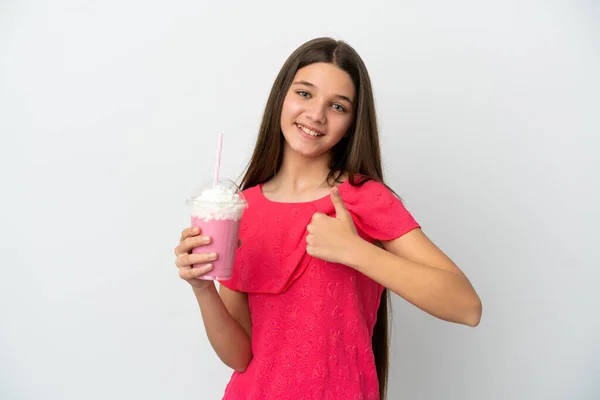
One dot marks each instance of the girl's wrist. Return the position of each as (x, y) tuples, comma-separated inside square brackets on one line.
[(355, 248), (204, 291)]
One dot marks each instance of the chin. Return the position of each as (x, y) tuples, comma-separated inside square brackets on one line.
[(304, 150), (308, 153)]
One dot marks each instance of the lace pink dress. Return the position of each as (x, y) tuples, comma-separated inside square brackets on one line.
[(312, 320)]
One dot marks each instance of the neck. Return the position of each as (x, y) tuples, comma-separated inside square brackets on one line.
[(299, 173)]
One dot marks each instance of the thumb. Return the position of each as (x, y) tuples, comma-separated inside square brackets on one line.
[(341, 212)]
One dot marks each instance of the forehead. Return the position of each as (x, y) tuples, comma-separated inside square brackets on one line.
[(329, 79)]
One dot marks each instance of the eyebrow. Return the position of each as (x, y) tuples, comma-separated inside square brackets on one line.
[(340, 96)]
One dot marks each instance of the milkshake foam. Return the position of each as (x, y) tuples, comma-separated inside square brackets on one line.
[(219, 202)]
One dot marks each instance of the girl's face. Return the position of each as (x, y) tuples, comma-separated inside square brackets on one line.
[(318, 109)]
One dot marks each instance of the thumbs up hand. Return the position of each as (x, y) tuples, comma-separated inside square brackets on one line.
[(331, 238)]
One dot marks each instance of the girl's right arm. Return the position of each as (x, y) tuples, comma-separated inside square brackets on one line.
[(226, 317), (228, 338)]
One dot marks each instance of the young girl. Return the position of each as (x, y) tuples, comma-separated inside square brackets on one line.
[(322, 242)]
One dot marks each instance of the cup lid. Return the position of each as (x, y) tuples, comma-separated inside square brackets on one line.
[(224, 192)]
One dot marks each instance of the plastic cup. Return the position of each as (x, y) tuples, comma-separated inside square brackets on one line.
[(217, 211)]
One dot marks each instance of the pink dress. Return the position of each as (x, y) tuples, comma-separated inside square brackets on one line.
[(312, 321)]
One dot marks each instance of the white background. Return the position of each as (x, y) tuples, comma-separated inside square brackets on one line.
[(109, 112)]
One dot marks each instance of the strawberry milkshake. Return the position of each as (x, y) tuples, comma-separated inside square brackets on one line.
[(217, 211)]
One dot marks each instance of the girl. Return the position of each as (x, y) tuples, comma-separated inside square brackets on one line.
[(323, 240)]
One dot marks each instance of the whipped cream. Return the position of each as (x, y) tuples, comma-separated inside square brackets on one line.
[(217, 203)]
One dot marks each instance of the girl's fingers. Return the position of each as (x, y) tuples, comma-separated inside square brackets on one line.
[(187, 260), (199, 271), (187, 232), (190, 243), (194, 241), (189, 274)]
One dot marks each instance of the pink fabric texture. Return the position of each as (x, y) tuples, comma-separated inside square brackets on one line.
[(312, 321)]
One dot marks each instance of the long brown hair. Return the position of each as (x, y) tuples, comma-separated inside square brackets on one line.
[(357, 154)]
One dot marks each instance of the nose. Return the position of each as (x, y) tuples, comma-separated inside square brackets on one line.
[(316, 112)]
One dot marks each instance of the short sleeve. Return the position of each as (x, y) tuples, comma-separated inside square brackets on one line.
[(377, 211)]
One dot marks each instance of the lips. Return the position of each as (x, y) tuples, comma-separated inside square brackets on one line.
[(310, 131)]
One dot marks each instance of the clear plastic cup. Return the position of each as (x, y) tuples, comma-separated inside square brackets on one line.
[(217, 211)]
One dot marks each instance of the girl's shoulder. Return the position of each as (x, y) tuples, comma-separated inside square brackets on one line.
[(362, 188), (376, 209), (252, 194)]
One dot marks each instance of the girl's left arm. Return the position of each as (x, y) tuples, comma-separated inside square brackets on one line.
[(410, 265), (413, 267)]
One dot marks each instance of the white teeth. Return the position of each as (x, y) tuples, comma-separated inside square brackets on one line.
[(309, 132)]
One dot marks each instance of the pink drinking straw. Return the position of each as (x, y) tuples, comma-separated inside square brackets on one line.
[(219, 147)]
